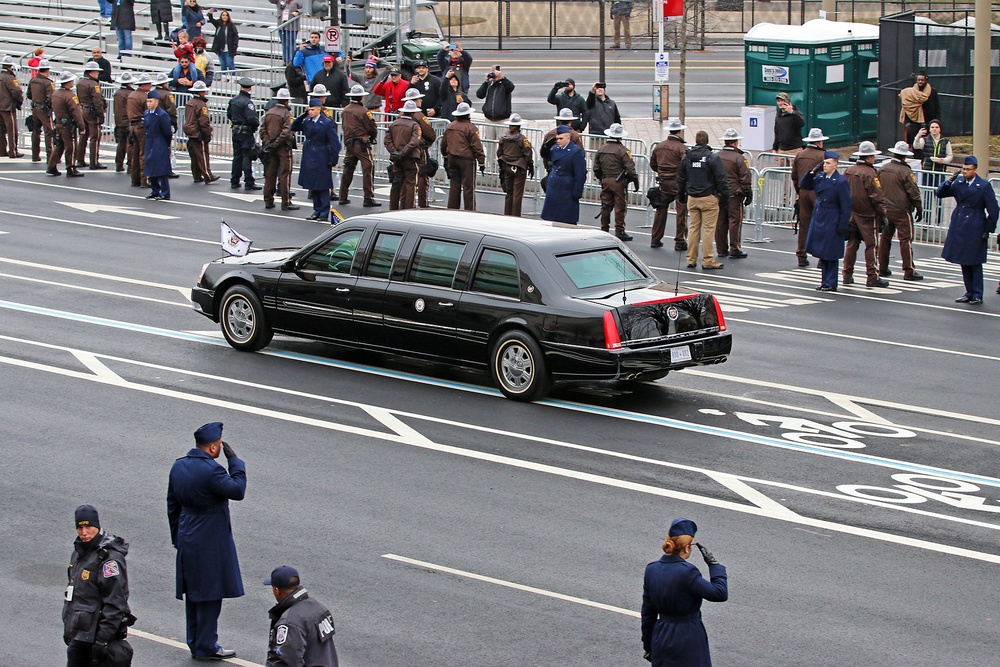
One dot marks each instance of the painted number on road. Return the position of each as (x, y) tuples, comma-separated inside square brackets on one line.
[(841, 435), (916, 489)]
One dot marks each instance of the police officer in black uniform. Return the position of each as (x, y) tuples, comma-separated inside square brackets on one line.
[(301, 628), (243, 116), (96, 613)]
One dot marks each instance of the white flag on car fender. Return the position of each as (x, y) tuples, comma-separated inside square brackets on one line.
[(234, 243)]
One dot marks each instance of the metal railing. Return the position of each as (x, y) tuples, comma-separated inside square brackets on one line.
[(99, 34)]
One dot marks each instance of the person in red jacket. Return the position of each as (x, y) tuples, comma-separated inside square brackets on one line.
[(393, 90)]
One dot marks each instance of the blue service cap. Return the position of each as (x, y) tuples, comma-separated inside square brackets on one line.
[(152, 95), (831, 155), (315, 102), (562, 129), (208, 433), (682, 527), (971, 159), (284, 576)]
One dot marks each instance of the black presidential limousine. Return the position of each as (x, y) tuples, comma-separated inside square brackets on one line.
[(533, 302)]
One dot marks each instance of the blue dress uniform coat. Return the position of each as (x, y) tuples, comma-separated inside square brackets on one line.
[(565, 184), (157, 148), (672, 592), (320, 151), (198, 498), (971, 222), (831, 216), (301, 633)]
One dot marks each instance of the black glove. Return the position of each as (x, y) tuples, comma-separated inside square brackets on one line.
[(635, 183), (723, 201), (748, 199), (531, 171), (707, 555), (918, 215), (953, 177), (647, 656), (882, 224), (818, 168), (227, 450), (482, 169), (98, 650)]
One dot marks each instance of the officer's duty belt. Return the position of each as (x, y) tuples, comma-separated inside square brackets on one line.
[(684, 618), (133, 123)]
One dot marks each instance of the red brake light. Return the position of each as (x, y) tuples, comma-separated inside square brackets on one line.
[(612, 341), (718, 315)]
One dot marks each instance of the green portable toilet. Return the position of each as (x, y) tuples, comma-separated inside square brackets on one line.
[(817, 65), (866, 78)]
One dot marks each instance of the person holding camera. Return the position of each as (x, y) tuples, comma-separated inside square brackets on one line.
[(496, 90), (564, 96), (672, 592), (96, 615), (453, 58)]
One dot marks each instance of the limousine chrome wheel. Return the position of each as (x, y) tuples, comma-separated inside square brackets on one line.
[(518, 367), (242, 319)]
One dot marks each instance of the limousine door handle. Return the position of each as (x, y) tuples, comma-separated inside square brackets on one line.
[(343, 289), (445, 304)]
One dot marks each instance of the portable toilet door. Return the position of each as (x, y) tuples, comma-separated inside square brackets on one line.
[(773, 66), (866, 78)]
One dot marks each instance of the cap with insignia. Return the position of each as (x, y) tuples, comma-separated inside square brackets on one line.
[(199, 86), (143, 80), (283, 94), (675, 125), (815, 134), (901, 148), (616, 131), (91, 66), (831, 155), (357, 90), (866, 148), (208, 433), (782, 96), (153, 95), (7, 61), (394, 71), (413, 94), (730, 135), (86, 515), (284, 576), (515, 119), (43, 64), (315, 102), (67, 77), (161, 79), (411, 107), (680, 527), (565, 114), (246, 82), (464, 109), (971, 161), (563, 129), (126, 77), (319, 90)]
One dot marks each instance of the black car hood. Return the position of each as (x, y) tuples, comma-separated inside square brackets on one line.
[(260, 256)]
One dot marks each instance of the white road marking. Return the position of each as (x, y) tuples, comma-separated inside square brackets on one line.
[(97, 367), (511, 584), (744, 490), (124, 295), (116, 210), (173, 643), (862, 413), (91, 274), (241, 197), (94, 225)]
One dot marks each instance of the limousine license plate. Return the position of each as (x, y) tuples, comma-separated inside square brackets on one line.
[(679, 354)]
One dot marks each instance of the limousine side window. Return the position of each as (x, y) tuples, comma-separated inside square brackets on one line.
[(595, 268), (336, 255), (383, 253), (497, 274), (435, 262)]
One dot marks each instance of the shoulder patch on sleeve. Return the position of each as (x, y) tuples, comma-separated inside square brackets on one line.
[(76, 99), (250, 106), (280, 634), (913, 177), (878, 184), (628, 152), (527, 144), (110, 569), (97, 89), (369, 114)]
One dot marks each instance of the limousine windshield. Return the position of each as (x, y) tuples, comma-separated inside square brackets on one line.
[(596, 268)]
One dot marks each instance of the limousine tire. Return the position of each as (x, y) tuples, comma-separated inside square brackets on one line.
[(242, 318), (518, 367)]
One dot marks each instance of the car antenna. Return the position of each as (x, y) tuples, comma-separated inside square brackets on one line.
[(677, 274)]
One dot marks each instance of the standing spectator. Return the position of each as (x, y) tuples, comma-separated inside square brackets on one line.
[(119, 108), (203, 61), (68, 117), (96, 614), (672, 592), (566, 179), (156, 152), (602, 112), (161, 14), (289, 28), (919, 104), (972, 221), (393, 91), (404, 143), (123, 23), (808, 159), (198, 128), (901, 198), (39, 56), (702, 180), (201, 530), (621, 13), (564, 96), (615, 170), (277, 139), (183, 75), (867, 215), (729, 231), (319, 155), (370, 77), (517, 164), (98, 57), (243, 116), (301, 628), (937, 156), (105, 7), (451, 96), (429, 87), (310, 55), (336, 82), (11, 100), (788, 124), (665, 160), (461, 147), (453, 58), (295, 77), (496, 90), (831, 218), (226, 41), (360, 132), (192, 18), (94, 106)]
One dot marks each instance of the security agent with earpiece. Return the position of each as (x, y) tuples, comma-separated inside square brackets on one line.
[(96, 614), (301, 627)]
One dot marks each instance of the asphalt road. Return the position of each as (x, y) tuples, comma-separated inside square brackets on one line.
[(841, 464)]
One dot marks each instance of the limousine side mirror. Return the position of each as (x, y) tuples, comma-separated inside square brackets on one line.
[(288, 266)]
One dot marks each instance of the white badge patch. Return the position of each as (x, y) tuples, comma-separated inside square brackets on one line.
[(281, 634), (250, 106), (111, 569)]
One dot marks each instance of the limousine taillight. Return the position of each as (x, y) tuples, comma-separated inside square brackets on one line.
[(719, 315), (612, 339)]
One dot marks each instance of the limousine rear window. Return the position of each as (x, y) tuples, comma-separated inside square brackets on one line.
[(383, 252), (435, 261), (497, 274), (596, 268)]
